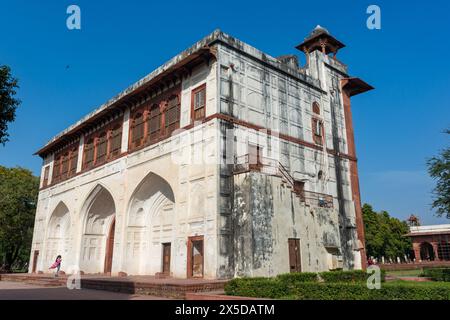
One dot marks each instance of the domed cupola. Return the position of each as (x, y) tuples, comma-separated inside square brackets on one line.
[(320, 39)]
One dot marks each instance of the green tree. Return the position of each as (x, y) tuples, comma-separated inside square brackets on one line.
[(385, 234), (8, 104), (439, 169), (18, 197)]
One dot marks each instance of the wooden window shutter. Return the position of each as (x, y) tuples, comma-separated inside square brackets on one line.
[(101, 146), (115, 141), (155, 122), (137, 132), (73, 162), (64, 165), (46, 174), (56, 169), (198, 103), (172, 117), (88, 154)]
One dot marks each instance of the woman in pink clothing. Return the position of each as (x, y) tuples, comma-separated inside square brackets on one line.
[(56, 265)]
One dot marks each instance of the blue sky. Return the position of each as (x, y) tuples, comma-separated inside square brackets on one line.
[(397, 126)]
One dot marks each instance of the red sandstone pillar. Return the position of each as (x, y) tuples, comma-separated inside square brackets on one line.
[(354, 176), (435, 250), (416, 247)]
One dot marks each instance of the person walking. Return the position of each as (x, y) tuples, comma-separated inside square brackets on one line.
[(56, 265)]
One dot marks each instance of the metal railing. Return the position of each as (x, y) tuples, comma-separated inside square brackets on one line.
[(316, 199), (275, 168)]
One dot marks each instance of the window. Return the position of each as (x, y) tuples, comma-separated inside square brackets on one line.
[(172, 116), (73, 162), (198, 103), (56, 169), (255, 153), (46, 174), (320, 175), (316, 108), (154, 121), (102, 148), (64, 165), (115, 141), (299, 187), (88, 154), (137, 130), (317, 127), (317, 124)]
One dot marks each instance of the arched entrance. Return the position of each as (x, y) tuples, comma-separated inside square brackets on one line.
[(58, 234), (426, 252), (97, 244), (150, 227), (110, 247)]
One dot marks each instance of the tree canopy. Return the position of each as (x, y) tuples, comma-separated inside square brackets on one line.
[(18, 198), (8, 104), (439, 169), (385, 235)]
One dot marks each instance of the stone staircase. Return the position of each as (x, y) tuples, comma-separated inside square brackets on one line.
[(297, 188)]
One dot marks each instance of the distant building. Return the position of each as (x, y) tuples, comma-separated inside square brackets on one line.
[(430, 243), (264, 180)]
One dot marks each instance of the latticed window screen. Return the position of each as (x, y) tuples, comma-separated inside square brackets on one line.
[(46, 174), (57, 169), (64, 165), (199, 101), (172, 115), (73, 161), (444, 247), (115, 141), (102, 144), (88, 153), (155, 121), (137, 132)]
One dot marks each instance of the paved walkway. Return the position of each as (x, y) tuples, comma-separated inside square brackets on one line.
[(22, 291)]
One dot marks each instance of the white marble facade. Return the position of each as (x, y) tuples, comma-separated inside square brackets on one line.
[(176, 191)]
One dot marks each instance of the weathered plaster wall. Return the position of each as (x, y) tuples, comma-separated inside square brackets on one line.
[(252, 91), (266, 214)]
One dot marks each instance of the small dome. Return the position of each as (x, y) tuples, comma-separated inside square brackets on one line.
[(317, 30)]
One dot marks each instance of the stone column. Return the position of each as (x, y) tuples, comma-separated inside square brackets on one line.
[(80, 154), (416, 248), (125, 131), (435, 250)]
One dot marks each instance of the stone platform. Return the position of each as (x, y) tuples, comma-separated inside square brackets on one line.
[(143, 285)]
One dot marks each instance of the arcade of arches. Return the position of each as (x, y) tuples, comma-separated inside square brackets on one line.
[(432, 248), (147, 245)]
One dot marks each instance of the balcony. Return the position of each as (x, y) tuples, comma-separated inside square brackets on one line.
[(317, 199), (272, 167)]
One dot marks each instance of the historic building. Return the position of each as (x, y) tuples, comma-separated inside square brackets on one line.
[(430, 243), (223, 162)]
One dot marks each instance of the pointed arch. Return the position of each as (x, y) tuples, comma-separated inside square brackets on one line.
[(148, 197), (150, 220), (98, 215), (58, 232), (58, 221)]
